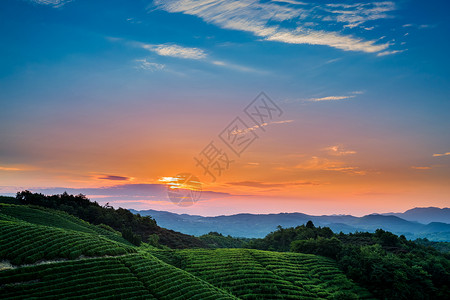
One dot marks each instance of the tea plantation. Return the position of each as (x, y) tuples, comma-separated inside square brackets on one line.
[(49, 254)]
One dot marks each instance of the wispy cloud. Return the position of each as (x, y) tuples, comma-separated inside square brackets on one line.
[(243, 131), (144, 64), (316, 163), (148, 192), (176, 51), (264, 185), (236, 67), (338, 150), (423, 26), (421, 168), (9, 169), (327, 98), (384, 53), (273, 21), (356, 14), (331, 98), (441, 154), (114, 177), (53, 3)]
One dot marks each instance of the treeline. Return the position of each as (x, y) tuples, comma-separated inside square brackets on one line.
[(134, 228), (218, 240), (389, 266)]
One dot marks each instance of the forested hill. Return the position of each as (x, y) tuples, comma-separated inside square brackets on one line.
[(49, 254), (133, 227)]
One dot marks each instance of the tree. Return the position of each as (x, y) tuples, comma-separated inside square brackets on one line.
[(310, 224)]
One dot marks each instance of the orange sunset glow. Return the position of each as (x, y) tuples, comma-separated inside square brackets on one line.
[(354, 122)]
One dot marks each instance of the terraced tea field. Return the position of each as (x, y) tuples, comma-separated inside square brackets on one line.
[(130, 276), (255, 274), (52, 255)]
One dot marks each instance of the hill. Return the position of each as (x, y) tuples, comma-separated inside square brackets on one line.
[(259, 225), (425, 215), (134, 228), (267, 275), (46, 253)]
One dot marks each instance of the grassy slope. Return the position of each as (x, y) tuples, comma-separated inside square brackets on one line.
[(117, 269)]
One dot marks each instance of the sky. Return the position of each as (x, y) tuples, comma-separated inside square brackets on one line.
[(320, 107)]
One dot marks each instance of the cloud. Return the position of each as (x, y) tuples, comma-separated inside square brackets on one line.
[(173, 50), (243, 131), (284, 21), (324, 164), (384, 53), (338, 150), (9, 169), (260, 184), (149, 192), (236, 67), (327, 98), (53, 3), (114, 177), (421, 168), (331, 98), (144, 64), (355, 15), (443, 154)]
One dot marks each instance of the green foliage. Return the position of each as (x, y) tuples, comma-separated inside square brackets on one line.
[(75, 259), (131, 237), (254, 274), (281, 239), (119, 219), (54, 218), (8, 200), (25, 243), (217, 240), (125, 277), (443, 247), (389, 266), (320, 246)]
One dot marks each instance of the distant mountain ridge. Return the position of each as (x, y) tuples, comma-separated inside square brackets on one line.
[(259, 225), (425, 215)]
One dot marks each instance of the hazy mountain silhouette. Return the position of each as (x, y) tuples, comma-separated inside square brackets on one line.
[(425, 215), (259, 225)]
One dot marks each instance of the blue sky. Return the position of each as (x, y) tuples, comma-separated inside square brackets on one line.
[(84, 84)]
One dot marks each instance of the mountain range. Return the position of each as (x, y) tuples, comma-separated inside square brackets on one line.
[(431, 222)]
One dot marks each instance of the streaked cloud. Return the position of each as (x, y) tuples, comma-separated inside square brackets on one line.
[(149, 192), (331, 98), (260, 184), (53, 3), (114, 177), (287, 21), (421, 168), (338, 150), (384, 53), (327, 98), (441, 154), (236, 67), (9, 169), (356, 14), (316, 163), (243, 131), (144, 64), (174, 50)]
